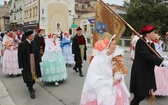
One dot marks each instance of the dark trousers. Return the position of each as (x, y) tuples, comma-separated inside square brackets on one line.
[(137, 99), (77, 65), (30, 85)]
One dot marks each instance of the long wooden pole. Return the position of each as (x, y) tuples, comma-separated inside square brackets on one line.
[(131, 29)]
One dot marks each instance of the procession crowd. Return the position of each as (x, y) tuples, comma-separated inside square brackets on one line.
[(40, 59)]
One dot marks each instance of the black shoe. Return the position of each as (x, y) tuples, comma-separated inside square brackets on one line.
[(70, 65), (32, 95), (81, 75), (31, 90), (75, 70), (67, 65)]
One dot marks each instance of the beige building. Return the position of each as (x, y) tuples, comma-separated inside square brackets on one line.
[(24, 14), (31, 14), (86, 22), (56, 15), (4, 17), (4, 23)]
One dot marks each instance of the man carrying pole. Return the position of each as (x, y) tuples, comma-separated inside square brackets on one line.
[(142, 82)]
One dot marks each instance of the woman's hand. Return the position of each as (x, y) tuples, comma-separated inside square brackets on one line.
[(116, 81)]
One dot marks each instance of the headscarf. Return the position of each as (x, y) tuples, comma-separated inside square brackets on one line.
[(103, 43)]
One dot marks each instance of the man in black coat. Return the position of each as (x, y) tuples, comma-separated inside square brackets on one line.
[(39, 39), (29, 61), (79, 50), (142, 75)]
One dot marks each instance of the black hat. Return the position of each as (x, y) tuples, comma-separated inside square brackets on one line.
[(28, 33)]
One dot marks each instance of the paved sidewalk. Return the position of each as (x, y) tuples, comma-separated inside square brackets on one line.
[(5, 99)]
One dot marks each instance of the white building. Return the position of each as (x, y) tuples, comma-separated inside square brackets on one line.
[(16, 13)]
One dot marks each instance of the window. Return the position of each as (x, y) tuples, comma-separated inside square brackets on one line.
[(30, 13), (33, 12), (83, 6), (14, 16), (85, 28), (14, 6), (36, 11), (91, 28), (20, 15)]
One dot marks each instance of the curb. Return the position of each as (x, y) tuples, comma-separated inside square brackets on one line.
[(5, 99)]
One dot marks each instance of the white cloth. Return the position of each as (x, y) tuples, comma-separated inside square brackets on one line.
[(98, 86), (133, 42), (165, 63), (159, 48), (50, 45)]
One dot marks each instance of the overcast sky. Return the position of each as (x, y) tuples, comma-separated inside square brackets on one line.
[(2, 2), (117, 2)]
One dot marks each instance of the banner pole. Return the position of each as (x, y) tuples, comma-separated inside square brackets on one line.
[(131, 29)]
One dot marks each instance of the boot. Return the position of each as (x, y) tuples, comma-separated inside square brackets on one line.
[(32, 95), (32, 91), (80, 72)]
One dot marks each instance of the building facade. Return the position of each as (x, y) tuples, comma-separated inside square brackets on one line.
[(16, 14), (53, 16), (31, 14), (4, 23), (4, 17), (56, 16)]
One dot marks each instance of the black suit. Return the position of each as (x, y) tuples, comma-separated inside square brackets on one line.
[(76, 51), (37, 40), (142, 74), (24, 51)]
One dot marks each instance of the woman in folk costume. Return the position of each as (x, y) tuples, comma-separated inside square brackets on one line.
[(29, 61), (67, 51), (101, 85), (10, 57), (161, 73), (158, 44), (134, 40), (53, 67)]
